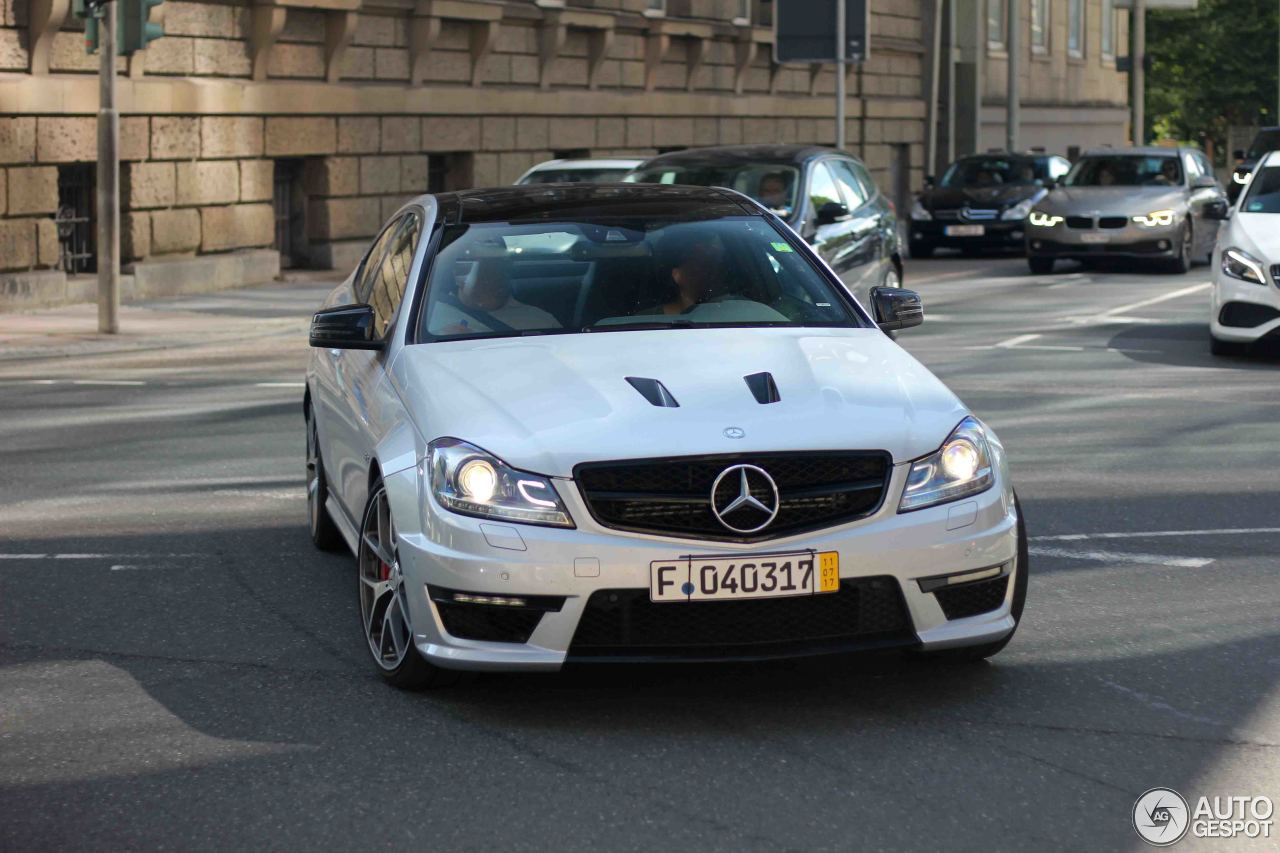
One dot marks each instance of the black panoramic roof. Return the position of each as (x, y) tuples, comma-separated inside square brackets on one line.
[(590, 201), (734, 155)]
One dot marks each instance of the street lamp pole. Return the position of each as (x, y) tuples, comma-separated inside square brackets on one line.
[(841, 58), (1138, 71), (1013, 106), (108, 175)]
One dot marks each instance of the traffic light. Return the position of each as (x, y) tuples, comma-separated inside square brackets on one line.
[(83, 10), (136, 32)]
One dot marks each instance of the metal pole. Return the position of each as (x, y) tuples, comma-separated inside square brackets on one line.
[(841, 57), (1013, 105), (1138, 76), (933, 15), (108, 176)]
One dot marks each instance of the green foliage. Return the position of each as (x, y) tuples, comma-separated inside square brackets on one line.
[(1212, 68)]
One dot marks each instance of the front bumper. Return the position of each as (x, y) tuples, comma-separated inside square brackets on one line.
[(1132, 241), (1243, 312), (455, 552), (996, 234)]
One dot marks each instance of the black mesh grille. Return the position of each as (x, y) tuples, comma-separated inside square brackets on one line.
[(1275, 273), (673, 496), (972, 598), (624, 622), (1079, 221), (1113, 222), (482, 622), (1246, 315)]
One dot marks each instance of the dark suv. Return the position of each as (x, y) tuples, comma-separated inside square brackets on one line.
[(1267, 140), (982, 202)]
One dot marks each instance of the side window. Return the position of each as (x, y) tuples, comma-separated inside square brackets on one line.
[(855, 193), (1206, 167), (369, 268), (864, 177), (822, 187), (1192, 167), (392, 276)]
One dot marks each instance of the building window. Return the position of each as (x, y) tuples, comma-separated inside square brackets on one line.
[(77, 185), (1040, 26), (288, 205), (1075, 28), (1108, 29), (655, 8), (742, 12), (995, 25)]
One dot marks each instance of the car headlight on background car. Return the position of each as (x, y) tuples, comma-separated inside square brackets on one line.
[(1237, 263), (1023, 208), (961, 467), (1240, 177), (1044, 220), (919, 212), (470, 481), (1155, 219)]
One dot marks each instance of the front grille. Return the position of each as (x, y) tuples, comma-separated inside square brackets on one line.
[(974, 214), (946, 215), (1079, 221), (1113, 222), (494, 624), (970, 599), (1275, 274), (673, 496), (865, 612)]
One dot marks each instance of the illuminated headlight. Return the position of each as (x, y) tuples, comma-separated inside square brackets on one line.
[(470, 481), (1022, 209), (1240, 177), (1237, 263), (1155, 219), (961, 467), (919, 213), (1044, 220)]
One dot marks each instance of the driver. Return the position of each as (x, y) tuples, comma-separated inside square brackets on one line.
[(486, 295), (772, 192), (696, 261), (1168, 172)]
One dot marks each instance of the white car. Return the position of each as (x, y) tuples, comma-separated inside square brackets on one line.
[(642, 423), (578, 171), (1246, 265)]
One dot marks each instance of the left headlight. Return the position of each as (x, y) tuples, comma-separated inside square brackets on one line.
[(1237, 263), (471, 481), (1155, 219), (961, 467), (1022, 209), (919, 212)]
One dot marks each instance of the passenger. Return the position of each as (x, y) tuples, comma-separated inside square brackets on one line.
[(1168, 172), (483, 296)]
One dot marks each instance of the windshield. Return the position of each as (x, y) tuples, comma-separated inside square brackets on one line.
[(1131, 170), (772, 185), (990, 172), (1265, 141), (1264, 192), (575, 176), (502, 279)]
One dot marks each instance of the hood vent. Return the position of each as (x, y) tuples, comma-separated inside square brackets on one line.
[(763, 387), (654, 391)]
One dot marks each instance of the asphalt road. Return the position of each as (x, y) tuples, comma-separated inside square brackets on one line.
[(178, 668)]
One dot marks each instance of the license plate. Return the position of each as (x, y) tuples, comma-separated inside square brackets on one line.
[(765, 576), (1095, 238), (964, 230)]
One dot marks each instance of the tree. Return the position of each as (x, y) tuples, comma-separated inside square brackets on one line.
[(1211, 68)]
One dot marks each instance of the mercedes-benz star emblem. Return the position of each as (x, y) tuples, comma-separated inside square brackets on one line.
[(734, 432), (745, 499)]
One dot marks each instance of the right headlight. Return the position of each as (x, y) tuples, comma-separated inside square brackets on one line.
[(470, 481), (919, 213), (961, 467), (1044, 220), (1237, 263)]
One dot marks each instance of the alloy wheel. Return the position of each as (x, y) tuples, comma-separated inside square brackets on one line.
[(313, 476), (382, 594)]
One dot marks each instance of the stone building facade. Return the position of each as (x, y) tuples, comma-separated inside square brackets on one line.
[(258, 133)]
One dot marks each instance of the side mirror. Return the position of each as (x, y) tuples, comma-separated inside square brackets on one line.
[(344, 327), (929, 181), (895, 308), (832, 211), (1238, 154), (1204, 182), (1217, 210)]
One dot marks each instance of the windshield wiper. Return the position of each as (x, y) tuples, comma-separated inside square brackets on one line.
[(639, 326)]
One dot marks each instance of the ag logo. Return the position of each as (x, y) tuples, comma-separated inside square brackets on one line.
[(1161, 817)]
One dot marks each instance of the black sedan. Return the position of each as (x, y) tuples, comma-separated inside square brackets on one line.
[(982, 202), (1266, 141), (825, 195)]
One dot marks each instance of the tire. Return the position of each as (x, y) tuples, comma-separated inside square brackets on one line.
[(324, 533), (380, 593), (1228, 348), (973, 654), (1039, 265), (921, 250), (1181, 264)]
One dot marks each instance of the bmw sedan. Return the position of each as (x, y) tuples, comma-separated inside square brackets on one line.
[(1143, 203), (641, 423), (1246, 268)]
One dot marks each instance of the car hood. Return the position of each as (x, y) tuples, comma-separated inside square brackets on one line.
[(546, 404), (1129, 200), (1256, 233), (948, 198)]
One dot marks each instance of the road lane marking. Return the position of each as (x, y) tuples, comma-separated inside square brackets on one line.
[(1151, 534), (280, 384), (23, 556), (1122, 557), (1112, 315), (1020, 339), (107, 382)]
